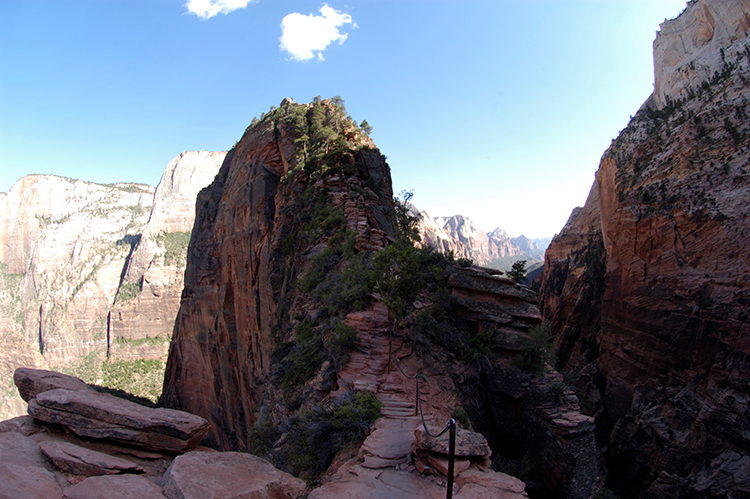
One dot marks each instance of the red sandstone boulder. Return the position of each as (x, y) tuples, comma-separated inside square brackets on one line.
[(115, 487), (31, 382), (228, 475), (99, 415), (77, 460)]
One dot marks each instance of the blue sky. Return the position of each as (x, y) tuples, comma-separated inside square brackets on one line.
[(494, 109)]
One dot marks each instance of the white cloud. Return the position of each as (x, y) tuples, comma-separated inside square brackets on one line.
[(206, 9), (305, 37)]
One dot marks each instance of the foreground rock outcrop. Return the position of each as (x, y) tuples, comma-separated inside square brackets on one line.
[(80, 443), (91, 272), (646, 286)]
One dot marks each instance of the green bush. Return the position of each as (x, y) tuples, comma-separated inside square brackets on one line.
[(517, 271), (315, 436), (128, 291), (536, 350)]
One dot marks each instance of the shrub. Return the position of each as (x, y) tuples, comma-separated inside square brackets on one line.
[(315, 436), (536, 350), (518, 271), (465, 262)]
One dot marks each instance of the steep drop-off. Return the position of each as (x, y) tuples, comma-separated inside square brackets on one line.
[(294, 180), (302, 270), (647, 286)]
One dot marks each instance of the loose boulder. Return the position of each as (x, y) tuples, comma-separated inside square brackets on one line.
[(228, 475), (100, 415), (77, 460), (32, 382)]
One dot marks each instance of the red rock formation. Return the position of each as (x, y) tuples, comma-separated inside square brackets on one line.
[(245, 253), (650, 279)]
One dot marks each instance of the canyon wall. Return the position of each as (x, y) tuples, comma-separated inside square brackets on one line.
[(647, 285), (282, 194), (70, 283)]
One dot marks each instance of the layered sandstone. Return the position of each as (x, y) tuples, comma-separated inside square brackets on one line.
[(647, 286), (458, 235), (83, 444), (75, 260), (259, 225)]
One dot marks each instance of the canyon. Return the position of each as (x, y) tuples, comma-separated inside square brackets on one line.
[(307, 299), (647, 286), (92, 274)]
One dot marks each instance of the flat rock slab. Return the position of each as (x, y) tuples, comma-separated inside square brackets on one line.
[(228, 475), (32, 382), (475, 491), (391, 438), (77, 460), (25, 425), (468, 443), (440, 464), (493, 480), (361, 483), (115, 487), (100, 415), (20, 450), (27, 482)]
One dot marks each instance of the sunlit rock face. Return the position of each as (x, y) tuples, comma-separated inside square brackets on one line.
[(693, 47), (647, 286), (92, 272)]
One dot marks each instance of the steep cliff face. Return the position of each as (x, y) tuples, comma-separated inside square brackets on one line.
[(649, 281), (67, 260), (140, 322), (297, 178)]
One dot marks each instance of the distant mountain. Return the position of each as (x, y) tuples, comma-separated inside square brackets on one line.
[(491, 249)]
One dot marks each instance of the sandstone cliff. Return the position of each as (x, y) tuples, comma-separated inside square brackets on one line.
[(69, 280), (647, 286), (300, 176), (304, 294), (494, 249)]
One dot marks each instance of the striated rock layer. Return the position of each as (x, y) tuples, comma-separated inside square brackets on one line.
[(91, 272), (257, 227), (647, 286)]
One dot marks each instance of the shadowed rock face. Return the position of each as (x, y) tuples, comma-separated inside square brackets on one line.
[(237, 265), (647, 286)]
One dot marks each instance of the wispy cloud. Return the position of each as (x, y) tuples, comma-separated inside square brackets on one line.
[(305, 37), (206, 9)]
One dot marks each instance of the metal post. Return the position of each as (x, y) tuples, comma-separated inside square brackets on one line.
[(451, 456), (416, 402), (390, 347)]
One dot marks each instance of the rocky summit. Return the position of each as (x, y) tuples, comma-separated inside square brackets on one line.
[(647, 285)]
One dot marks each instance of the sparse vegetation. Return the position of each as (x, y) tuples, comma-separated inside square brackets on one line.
[(140, 378), (316, 435), (536, 350), (517, 271), (175, 246), (128, 291)]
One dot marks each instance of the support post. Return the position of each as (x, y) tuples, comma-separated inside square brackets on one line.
[(416, 402), (451, 456), (390, 348)]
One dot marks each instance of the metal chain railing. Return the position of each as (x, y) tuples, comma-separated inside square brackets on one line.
[(450, 426)]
